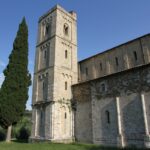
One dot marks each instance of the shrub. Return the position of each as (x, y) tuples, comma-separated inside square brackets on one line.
[(2, 134), (23, 134), (22, 129)]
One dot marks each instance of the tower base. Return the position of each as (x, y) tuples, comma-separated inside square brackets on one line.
[(42, 139)]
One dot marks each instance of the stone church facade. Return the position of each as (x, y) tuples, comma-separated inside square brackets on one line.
[(104, 99)]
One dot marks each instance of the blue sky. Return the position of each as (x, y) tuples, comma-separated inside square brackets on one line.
[(102, 24)]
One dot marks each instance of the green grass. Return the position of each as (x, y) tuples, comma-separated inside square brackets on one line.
[(51, 146)]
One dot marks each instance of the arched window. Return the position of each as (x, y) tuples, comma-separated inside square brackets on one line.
[(66, 29), (66, 54), (107, 116)]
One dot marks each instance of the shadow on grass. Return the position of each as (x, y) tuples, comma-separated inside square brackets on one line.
[(20, 141), (114, 148), (98, 147)]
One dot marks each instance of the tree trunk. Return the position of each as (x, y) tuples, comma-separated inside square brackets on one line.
[(8, 137)]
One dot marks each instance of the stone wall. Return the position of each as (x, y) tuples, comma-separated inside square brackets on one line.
[(117, 59), (83, 114), (116, 106)]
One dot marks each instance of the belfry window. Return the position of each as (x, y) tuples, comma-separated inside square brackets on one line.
[(107, 116), (66, 29), (47, 30)]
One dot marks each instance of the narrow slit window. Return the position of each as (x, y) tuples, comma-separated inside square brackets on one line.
[(117, 62), (103, 88), (101, 66), (108, 117), (66, 85), (86, 71), (43, 88), (43, 85), (65, 115), (135, 55), (45, 54), (66, 54)]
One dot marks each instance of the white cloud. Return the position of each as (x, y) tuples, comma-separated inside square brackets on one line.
[(2, 64), (1, 78)]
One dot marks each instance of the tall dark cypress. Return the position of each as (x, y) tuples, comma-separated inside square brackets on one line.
[(14, 90)]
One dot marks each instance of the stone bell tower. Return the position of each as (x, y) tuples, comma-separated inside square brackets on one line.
[(55, 72)]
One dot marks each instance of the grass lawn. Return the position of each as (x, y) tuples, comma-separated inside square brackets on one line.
[(49, 146)]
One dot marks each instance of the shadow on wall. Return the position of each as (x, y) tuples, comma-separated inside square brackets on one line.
[(133, 120), (109, 126)]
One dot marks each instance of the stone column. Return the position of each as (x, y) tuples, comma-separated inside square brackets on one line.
[(121, 142), (147, 137)]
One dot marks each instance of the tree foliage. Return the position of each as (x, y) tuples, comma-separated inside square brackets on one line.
[(14, 90)]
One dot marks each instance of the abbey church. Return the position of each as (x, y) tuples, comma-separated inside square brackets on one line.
[(103, 99)]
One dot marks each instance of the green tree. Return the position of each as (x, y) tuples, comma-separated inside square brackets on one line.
[(14, 90)]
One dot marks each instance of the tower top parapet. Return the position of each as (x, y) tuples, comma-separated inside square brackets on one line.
[(71, 14)]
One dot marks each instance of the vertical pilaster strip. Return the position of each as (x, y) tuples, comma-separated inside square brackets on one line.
[(72, 123), (144, 114), (127, 61), (94, 68), (92, 90), (36, 121), (37, 89), (119, 121), (79, 73), (108, 66), (53, 119)]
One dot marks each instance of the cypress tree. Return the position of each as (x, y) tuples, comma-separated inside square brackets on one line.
[(14, 90)]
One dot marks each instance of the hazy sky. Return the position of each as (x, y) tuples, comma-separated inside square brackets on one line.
[(102, 24)]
